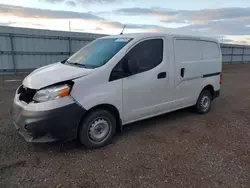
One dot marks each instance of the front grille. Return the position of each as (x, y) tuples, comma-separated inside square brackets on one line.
[(26, 94)]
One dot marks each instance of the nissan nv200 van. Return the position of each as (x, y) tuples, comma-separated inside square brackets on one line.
[(116, 80)]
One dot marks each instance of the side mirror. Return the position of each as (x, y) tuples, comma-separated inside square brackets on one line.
[(63, 61), (130, 67)]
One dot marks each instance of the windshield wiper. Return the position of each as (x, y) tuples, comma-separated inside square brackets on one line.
[(81, 65), (76, 64)]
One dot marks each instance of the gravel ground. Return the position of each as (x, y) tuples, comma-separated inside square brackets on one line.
[(180, 149)]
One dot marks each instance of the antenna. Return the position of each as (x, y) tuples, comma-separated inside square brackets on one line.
[(123, 29)]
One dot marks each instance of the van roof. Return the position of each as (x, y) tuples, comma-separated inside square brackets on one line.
[(158, 34)]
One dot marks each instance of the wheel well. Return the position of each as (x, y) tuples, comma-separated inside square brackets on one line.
[(209, 88), (112, 109)]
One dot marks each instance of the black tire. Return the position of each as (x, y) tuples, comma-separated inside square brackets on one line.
[(89, 129), (204, 102)]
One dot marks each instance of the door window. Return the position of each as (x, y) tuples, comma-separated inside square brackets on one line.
[(147, 54)]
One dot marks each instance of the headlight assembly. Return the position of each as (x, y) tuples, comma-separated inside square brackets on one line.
[(52, 93)]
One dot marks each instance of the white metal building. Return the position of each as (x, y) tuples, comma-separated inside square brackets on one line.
[(24, 49)]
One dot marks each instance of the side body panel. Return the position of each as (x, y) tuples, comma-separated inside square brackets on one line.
[(197, 61), (95, 89)]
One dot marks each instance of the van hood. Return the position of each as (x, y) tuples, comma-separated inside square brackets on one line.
[(52, 74)]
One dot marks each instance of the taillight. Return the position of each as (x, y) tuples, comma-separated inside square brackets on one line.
[(221, 78)]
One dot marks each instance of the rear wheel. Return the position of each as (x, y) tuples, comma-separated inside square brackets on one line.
[(97, 129), (204, 102)]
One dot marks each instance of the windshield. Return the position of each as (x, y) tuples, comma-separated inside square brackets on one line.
[(98, 52)]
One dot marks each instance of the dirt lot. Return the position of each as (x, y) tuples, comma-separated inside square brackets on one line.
[(180, 149)]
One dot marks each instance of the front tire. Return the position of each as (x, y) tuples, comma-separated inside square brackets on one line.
[(97, 129), (204, 102)]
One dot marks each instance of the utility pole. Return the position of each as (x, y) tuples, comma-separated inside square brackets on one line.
[(69, 26)]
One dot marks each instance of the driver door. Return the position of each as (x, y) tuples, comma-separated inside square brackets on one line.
[(147, 92)]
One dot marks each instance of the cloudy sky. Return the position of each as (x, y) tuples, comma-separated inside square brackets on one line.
[(228, 20)]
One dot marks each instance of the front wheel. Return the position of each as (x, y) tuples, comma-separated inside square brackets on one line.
[(97, 129), (204, 102)]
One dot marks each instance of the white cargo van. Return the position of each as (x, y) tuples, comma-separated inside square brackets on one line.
[(116, 80)]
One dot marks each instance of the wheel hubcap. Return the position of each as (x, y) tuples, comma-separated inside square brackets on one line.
[(99, 130), (205, 103)]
